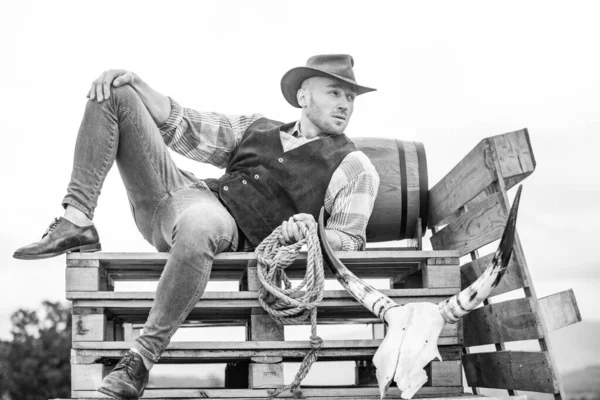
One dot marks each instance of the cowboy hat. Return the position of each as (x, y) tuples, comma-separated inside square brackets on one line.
[(337, 66)]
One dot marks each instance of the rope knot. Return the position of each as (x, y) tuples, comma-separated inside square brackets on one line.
[(316, 342)]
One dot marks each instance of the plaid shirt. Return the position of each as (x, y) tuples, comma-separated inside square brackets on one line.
[(212, 138)]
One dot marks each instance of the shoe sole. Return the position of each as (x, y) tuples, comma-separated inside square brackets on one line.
[(116, 395), (86, 248)]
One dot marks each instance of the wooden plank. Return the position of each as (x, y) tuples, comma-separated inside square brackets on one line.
[(502, 322), (515, 156), (441, 276), (479, 226), (308, 392), (559, 310), (444, 373), (134, 306), (511, 280), (516, 370), (230, 266), (240, 260), (207, 352), (82, 279), (264, 372), (469, 177), (87, 376), (477, 171), (89, 324), (338, 396), (263, 376), (253, 296)]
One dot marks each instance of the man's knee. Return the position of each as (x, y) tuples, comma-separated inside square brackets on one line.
[(204, 226), (123, 93)]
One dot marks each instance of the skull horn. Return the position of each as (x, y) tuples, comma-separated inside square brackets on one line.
[(412, 334), (462, 303), (414, 329)]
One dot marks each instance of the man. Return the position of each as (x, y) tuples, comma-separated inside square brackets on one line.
[(276, 174)]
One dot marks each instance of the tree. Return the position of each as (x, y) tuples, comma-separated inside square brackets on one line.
[(35, 365)]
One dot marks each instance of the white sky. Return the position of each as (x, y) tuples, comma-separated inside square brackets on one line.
[(448, 75)]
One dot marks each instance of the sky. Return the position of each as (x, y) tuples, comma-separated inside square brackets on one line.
[(448, 74)]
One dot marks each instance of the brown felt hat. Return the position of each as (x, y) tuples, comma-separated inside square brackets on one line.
[(337, 66)]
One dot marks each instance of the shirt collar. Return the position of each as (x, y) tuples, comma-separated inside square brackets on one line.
[(296, 132)]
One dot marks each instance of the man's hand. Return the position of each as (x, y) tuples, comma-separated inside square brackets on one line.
[(100, 89), (290, 232)]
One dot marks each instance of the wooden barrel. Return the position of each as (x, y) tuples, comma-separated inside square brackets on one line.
[(403, 189)]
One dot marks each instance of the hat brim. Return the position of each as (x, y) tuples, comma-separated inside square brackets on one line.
[(292, 80)]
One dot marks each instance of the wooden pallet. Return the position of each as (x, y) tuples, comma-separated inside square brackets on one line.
[(468, 209), (105, 322)]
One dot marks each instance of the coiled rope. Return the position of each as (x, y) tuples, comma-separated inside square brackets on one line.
[(288, 305)]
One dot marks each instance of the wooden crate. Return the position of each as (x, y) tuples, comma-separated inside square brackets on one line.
[(468, 210), (105, 322)]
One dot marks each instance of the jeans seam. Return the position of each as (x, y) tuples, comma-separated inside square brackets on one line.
[(185, 313), (106, 163), (146, 151)]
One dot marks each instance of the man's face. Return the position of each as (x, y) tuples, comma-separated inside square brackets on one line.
[(327, 103)]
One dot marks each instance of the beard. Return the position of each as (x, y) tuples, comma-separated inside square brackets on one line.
[(324, 121)]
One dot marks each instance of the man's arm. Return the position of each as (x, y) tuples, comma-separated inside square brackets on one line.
[(201, 136), (349, 201), (157, 104)]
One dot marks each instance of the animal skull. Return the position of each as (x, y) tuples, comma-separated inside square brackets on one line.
[(413, 330)]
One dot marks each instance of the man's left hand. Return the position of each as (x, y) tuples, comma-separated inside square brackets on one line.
[(290, 231)]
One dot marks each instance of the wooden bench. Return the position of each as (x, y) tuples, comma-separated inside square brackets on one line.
[(466, 210)]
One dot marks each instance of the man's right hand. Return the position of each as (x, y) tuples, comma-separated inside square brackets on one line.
[(100, 89)]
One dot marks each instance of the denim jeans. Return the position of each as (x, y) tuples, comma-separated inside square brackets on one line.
[(173, 210)]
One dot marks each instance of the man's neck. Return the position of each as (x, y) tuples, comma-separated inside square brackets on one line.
[(308, 129)]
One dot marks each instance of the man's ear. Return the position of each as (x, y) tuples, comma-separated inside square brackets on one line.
[(301, 97)]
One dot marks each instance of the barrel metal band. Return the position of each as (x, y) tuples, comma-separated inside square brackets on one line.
[(403, 188), (423, 185)]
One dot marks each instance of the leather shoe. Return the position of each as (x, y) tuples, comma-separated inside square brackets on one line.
[(61, 236), (127, 380)]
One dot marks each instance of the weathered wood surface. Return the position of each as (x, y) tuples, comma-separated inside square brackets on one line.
[(230, 266), (516, 370), (199, 352), (511, 280), (559, 310), (322, 393), (502, 322), (338, 396), (476, 172), (213, 306), (515, 156), (479, 226), (514, 320)]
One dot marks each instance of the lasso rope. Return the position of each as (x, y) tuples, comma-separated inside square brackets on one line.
[(287, 305)]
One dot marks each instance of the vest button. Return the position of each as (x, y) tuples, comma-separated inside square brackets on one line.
[(225, 188), (280, 160), (256, 176), (244, 182)]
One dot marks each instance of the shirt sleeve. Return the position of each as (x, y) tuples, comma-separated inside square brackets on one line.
[(204, 136), (350, 198)]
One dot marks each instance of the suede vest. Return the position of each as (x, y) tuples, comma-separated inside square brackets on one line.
[(263, 185)]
